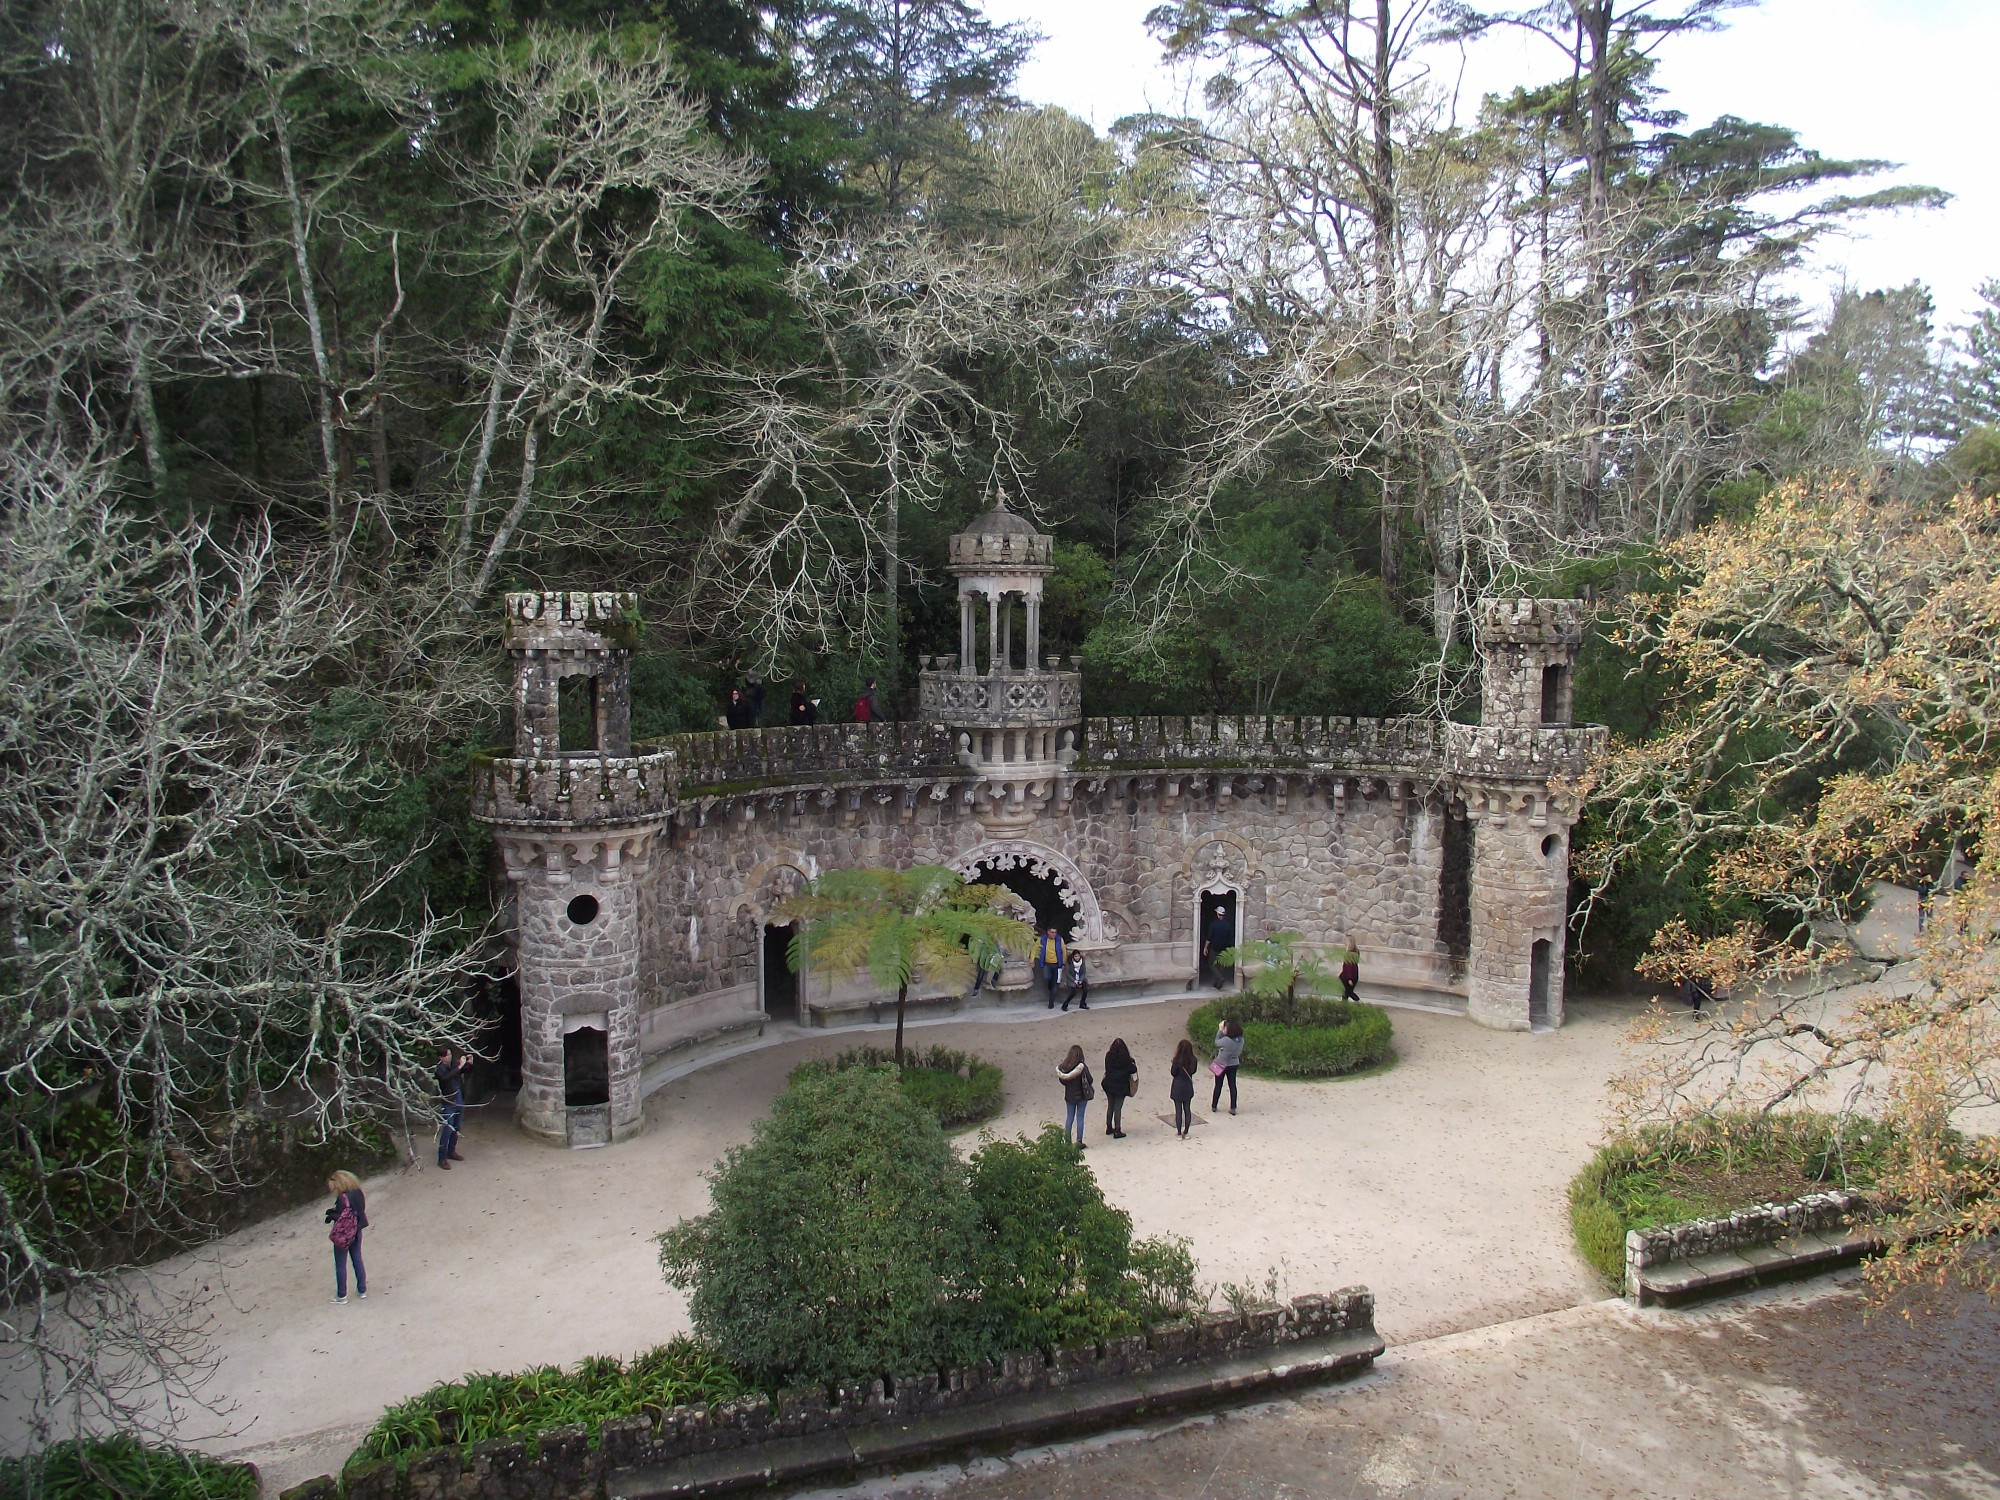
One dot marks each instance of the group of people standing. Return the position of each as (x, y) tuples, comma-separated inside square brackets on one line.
[(745, 708), (1121, 1082)]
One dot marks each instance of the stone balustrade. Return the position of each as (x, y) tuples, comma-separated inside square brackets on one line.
[(1001, 700), (1502, 751), (809, 754), (1257, 740), (557, 791)]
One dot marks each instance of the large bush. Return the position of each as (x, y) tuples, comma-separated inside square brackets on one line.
[(123, 1468), (837, 1244), (1057, 1264), (1304, 1037), (1708, 1168), (958, 1088), (488, 1406)]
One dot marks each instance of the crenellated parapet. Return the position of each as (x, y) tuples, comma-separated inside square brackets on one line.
[(989, 545), (1540, 622), (1491, 752), (574, 790), (573, 620), (1412, 746), (810, 755)]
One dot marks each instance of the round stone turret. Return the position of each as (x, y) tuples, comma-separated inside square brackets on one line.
[(577, 817), (1015, 712)]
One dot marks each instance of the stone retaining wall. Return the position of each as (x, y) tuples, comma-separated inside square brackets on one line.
[(1763, 1225), (562, 1465)]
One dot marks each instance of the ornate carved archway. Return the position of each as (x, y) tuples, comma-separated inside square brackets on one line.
[(1024, 854)]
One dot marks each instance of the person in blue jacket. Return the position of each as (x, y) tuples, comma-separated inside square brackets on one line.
[(1049, 960)]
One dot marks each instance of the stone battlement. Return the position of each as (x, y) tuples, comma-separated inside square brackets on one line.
[(1531, 621), (811, 754), (1013, 551), (570, 790), (1253, 740), (1538, 754), (573, 620)]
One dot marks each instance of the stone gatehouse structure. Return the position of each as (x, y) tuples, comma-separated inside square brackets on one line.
[(646, 878)]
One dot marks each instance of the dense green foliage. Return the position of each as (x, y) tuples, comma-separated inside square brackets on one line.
[(958, 1088), (1711, 1167), (1307, 1037), (1056, 1263), (469, 1411), (123, 1468), (836, 1243)]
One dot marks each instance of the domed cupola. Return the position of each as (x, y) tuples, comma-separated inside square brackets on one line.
[(1015, 712)]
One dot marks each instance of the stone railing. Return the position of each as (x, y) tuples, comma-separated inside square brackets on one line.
[(1008, 699), (1273, 741), (568, 789), (970, 1405), (740, 759), (1493, 750)]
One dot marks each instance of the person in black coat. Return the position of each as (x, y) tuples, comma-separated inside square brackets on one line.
[(1121, 1075), (738, 714), (804, 710), (1181, 1089)]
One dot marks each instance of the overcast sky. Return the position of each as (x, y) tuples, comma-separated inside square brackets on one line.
[(1905, 80)]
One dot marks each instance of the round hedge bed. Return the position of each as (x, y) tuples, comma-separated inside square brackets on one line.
[(1298, 1037)]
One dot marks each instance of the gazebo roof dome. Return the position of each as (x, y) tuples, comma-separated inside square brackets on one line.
[(1000, 521)]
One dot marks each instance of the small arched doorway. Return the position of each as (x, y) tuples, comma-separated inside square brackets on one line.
[(780, 984), (1541, 958)]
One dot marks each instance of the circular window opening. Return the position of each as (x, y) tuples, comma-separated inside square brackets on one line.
[(1552, 843), (583, 910)]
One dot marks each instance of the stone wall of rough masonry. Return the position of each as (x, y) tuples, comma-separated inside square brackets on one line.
[(564, 1465), (1520, 891), (1763, 1225), (1330, 857)]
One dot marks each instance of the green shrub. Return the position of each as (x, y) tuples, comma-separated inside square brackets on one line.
[(1057, 1263), (520, 1405), (958, 1088), (837, 1244), (1302, 1037), (123, 1468), (1711, 1167)]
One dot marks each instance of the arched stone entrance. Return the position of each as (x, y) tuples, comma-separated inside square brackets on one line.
[(1063, 880)]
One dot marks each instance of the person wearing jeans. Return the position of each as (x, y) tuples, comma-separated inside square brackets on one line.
[(450, 1073), (346, 1190), (1077, 1089), (1229, 1053), (1050, 954)]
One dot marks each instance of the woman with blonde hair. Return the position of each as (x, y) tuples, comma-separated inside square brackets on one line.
[(348, 1216)]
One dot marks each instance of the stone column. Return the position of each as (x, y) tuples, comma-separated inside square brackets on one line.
[(577, 904), (968, 634), (1007, 631), (993, 632), (1034, 630)]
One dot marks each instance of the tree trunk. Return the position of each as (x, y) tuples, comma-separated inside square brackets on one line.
[(902, 993)]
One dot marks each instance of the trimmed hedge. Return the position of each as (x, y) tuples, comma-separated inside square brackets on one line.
[(123, 1468), (956, 1087), (478, 1407), (1712, 1167), (1301, 1037)]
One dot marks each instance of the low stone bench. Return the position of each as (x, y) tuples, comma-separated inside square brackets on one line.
[(1678, 1263)]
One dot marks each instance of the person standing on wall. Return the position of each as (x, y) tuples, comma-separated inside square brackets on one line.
[(348, 1217), (1049, 959), (1228, 1057), (1121, 1081), (1181, 1090), (450, 1074), (1078, 1091), (868, 707), (1350, 971), (738, 715), (804, 709), (1079, 982)]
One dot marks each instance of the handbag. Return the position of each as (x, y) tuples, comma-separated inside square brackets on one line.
[(346, 1227), (1215, 1067), (1089, 1087)]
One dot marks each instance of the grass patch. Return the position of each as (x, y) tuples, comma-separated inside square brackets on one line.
[(1300, 1037), (1719, 1165), (123, 1468), (958, 1088), (517, 1406)]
